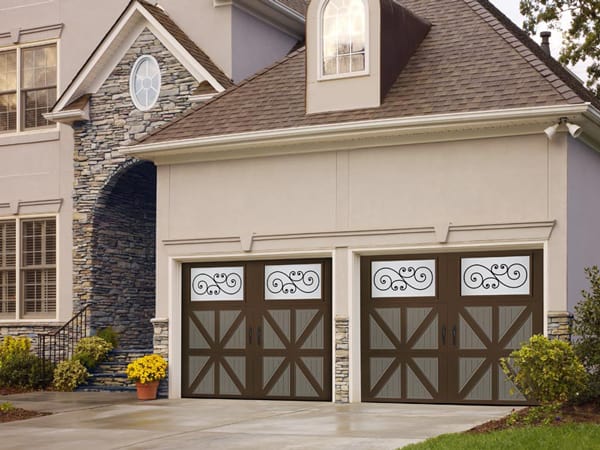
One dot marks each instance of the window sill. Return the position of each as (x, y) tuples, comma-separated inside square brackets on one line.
[(342, 76), (28, 322), (30, 137)]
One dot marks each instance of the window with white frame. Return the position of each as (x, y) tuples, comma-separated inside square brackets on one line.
[(344, 37), (28, 268), (27, 87)]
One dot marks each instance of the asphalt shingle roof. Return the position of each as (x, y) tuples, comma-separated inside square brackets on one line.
[(297, 5), (474, 59)]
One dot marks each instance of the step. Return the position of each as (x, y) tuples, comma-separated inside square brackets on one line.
[(92, 388)]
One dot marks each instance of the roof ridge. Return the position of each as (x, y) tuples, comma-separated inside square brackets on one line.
[(561, 80), (220, 95)]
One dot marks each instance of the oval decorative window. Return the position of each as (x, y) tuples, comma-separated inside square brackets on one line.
[(144, 82)]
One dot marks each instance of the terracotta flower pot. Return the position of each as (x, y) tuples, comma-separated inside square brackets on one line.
[(146, 391)]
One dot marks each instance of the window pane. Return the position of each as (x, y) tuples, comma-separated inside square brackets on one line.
[(39, 259), (8, 71), (344, 36), (358, 63), (36, 103), (8, 112), (8, 274), (39, 67)]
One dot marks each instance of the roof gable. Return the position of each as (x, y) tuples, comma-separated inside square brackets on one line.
[(473, 59), (138, 16)]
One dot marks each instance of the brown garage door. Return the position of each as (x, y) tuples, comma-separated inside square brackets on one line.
[(434, 326), (259, 330)]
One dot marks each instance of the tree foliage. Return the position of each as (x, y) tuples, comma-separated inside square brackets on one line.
[(581, 37), (587, 330)]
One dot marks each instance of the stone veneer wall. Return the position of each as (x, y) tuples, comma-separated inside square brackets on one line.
[(125, 242), (161, 347), (30, 331), (342, 360), (559, 325), (100, 171)]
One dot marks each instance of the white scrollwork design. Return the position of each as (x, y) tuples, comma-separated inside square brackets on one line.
[(217, 283), (293, 282), (495, 276), (403, 278)]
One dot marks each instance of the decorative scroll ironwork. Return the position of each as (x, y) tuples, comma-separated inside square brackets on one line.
[(401, 278), (218, 283), (495, 276), (293, 281)]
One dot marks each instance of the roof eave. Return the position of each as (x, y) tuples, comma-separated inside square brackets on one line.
[(69, 116), (364, 134)]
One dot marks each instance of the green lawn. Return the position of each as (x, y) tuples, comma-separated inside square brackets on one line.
[(567, 437)]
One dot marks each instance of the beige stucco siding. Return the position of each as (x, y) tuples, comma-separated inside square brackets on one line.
[(463, 183), (266, 195), (486, 181), (488, 191)]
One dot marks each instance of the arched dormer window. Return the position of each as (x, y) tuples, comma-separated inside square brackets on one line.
[(344, 37)]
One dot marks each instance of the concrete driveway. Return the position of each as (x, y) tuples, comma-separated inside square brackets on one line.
[(116, 421)]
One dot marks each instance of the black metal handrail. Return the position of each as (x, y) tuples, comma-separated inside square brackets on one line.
[(60, 345)]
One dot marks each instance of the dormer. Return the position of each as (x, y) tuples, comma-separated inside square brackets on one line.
[(355, 50)]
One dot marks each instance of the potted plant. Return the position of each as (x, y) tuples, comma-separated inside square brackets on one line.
[(147, 372)]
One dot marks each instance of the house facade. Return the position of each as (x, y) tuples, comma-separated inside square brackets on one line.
[(377, 215), (87, 230)]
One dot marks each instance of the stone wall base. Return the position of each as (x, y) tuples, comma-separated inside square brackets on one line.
[(559, 325), (342, 360), (30, 331), (161, 347)]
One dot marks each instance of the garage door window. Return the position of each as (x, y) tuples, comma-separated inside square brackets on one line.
[(392, 279), (217, 284), (495, 276), (293, 282)]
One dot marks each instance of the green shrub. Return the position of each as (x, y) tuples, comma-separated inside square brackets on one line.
[(69, 374), (546, 371), (6, 407), (19, 367), (586, 327), (109, 335), (11, 346), (91, 350)]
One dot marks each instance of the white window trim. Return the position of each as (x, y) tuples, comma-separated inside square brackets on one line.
[(321, 76), (18, 48), (20, 318)]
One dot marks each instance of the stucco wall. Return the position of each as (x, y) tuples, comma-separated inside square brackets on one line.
[(464, 183), (36, 173), (336, 199), (255, 44), (584, 216)]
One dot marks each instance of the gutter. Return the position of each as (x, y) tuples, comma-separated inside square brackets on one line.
[(404, 126), (69, 116)]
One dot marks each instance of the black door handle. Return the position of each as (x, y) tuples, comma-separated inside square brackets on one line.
[(250, 335), (444, 335), (259, 335), (454, 335)]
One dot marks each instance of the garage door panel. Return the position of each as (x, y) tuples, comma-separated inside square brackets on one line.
[(257, 330), (446, 348)]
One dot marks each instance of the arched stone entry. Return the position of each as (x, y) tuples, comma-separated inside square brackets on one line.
[(123, 255)]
